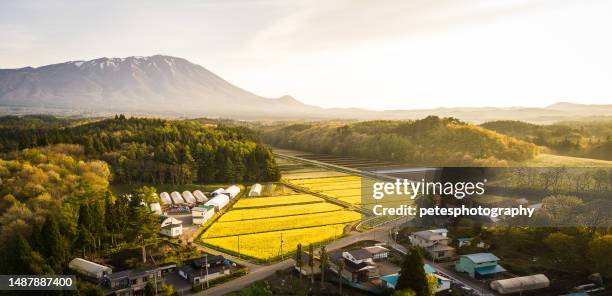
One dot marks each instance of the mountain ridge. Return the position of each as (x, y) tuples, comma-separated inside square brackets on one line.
[(173, 86)]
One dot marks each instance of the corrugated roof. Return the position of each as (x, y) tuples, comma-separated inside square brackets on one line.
[(481, 257)]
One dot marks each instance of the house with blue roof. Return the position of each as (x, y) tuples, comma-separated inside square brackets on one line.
[(479, 265)]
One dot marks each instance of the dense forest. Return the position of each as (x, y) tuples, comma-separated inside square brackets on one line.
[(430, 141), (152, 150), (581, 139), (56, 205)]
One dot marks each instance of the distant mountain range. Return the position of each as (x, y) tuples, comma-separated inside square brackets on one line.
[(171, 86)]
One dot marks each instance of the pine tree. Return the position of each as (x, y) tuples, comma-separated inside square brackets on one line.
[(53, 247), (412, 275), (340, 270)]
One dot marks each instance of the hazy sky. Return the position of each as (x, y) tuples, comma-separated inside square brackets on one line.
[(372, 54)]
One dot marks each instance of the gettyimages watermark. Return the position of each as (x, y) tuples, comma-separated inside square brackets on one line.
[(532, 197)]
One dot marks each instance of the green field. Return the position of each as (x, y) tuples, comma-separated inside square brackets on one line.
[(551, 160)]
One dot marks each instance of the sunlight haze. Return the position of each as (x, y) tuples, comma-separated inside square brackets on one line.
[(367, 54)]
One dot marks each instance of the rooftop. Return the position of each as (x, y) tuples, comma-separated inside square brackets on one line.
[(481, 257)]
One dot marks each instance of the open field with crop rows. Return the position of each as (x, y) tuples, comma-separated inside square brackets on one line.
[(287, 210), (259, 202)]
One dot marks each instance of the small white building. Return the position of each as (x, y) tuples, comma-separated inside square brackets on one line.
[(165, 198), (156, 208), (520, 284), (188, 197), (255, 190), (232, 191), (171, 227), (200, 196), (88, 268), (219, 202), (202, 213), (177, 199)]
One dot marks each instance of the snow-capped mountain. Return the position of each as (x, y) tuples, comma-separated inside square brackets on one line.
[(156, 84)]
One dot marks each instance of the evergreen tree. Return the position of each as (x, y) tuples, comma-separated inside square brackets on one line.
[(324, 263), (311, 262), (299, 260), (412, 275), (53, 247)]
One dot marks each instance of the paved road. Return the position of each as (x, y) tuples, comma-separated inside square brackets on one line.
[(245, 281)]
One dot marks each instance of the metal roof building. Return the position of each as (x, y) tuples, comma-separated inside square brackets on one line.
[(88, 268), (520, 284)]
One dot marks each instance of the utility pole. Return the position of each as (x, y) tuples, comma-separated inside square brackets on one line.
[(206, 260), (281, 247)]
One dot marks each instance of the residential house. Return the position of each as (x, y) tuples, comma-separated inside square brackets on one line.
[(434, 242), (479, 265), (207, 267), (133, 281)]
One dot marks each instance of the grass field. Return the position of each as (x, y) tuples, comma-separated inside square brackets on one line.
[(551, 160)]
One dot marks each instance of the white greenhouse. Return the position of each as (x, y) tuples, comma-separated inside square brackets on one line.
[(232, 191), (177, 199), (188, 197), (165, 198), (88, 268), (219, 202), (217, 191), (255, 190), (520, 284), (156, 207), (200, 196)]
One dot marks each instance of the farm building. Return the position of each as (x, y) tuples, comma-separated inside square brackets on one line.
[(521, 284), (479, 264), (200, 196), (171, 227), (165, 198), (255, 190), (195, 271), (219, 201), (202, 213), (217, 191), (90, 269), (188, 197), (156, 208), (434, 242), (232, 191), (177, 199)]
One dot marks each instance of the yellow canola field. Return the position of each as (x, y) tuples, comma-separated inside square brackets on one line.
[(220, 229), (249, 202), (267, 245), (278, 211), (325, 180)]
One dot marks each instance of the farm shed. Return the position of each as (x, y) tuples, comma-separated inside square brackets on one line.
[(156, 207), (219, 202), (255, 190), (165, 198), (200, 196), (232, 191), (202, 213), (217, 191), (171, 227), (521, 284), (188, 197), (177, 199), (88, 268)]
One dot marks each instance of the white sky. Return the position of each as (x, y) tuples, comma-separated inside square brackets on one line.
[(370, 54)]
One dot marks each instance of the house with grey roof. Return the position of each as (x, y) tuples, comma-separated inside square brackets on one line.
[(434, 242)]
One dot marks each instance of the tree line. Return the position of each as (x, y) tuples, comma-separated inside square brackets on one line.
[(141, 150)]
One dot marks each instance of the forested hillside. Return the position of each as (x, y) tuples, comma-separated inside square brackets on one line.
[(581, 139), (430, 141), (153, 150), (55, 205)]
